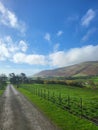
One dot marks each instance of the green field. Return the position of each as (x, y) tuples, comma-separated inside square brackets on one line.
[(71, 103), (95, 79)]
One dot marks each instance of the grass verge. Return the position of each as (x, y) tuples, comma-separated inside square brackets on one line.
[(61, 118), (1, 92)]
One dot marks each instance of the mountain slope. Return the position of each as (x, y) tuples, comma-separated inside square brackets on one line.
[(82, 69)]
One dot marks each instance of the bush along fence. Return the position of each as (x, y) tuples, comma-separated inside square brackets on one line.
[(76, 106)]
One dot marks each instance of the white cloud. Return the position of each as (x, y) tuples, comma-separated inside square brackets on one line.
[(17, 53), (23, 45), (8, 18), (88, 17), (56, 47), (8, 47), (47, 37), (8, 39), (4, 53), (74, 56), (88, 34), (2, 8), (29, 59), (59, 33)]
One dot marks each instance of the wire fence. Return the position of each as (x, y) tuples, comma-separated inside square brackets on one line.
[(76, 106)]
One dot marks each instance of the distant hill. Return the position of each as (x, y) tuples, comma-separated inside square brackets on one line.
[(83, 69)]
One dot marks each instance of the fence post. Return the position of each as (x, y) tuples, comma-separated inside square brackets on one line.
[(69, 102), (38, 92), (44, 93), (41, 93), (60, 99), (81, 107), (34, 91), (48, 95), (53, 97)]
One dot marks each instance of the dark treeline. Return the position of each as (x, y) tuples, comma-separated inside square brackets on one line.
[(23, 79), (18, 79), (72, 78)]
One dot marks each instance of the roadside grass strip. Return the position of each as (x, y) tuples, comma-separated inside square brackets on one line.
[(1, 92)]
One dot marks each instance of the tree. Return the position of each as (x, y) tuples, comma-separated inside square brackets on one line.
[(17, 79), (24, 78), (3, 80), (12, 78)]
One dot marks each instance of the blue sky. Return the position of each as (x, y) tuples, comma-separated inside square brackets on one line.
[(37, 35)]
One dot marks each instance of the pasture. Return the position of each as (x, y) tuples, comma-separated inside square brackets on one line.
[(80, 104)]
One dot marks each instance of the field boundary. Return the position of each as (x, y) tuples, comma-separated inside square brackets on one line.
[(72, 105)]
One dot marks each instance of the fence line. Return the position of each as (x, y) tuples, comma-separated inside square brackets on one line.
[(72, 105)]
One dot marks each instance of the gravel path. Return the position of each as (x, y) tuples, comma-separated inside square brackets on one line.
[(17, 113)]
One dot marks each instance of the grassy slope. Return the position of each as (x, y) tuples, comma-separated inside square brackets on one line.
[(60, 117), (81, 69)]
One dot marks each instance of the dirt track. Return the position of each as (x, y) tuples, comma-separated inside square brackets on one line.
[(17, 113)]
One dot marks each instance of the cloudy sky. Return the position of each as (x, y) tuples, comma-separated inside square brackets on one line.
[(37, 35)]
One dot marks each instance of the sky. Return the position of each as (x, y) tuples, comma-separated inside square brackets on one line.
[(38, 35)]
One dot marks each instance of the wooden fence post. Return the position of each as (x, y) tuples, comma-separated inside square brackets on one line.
[(69, 102), (41, 93), (48, 95), (60, 99), (44, 93), (81, 107), (38, 92), (53, 97)]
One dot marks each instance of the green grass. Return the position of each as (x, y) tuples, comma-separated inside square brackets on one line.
[(85, 93), (89, 97), (95, 79), (2, 88), (62, 118), (79, 75), (1, 92)]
